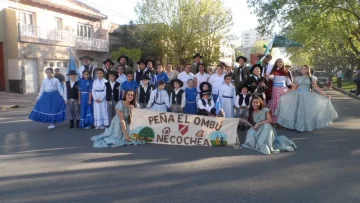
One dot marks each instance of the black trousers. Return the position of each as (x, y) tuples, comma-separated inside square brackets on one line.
[(339, 85), (203, 112), (357, 82)]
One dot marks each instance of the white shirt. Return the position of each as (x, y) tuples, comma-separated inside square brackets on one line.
[(201, 78), (207, 107), (184, 77), (183, 99), (121, 78), (72, 83), (51, 85), (243, 104), (240, 73), (112, 84), (339, 74), (216, 81), (281, 81)]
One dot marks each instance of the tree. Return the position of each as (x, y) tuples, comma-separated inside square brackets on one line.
[(133, 54), (258, 47), (186, 26), (328, 29)]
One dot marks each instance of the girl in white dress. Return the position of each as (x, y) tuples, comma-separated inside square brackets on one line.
[(159, 98), (227, 96), (101, 118)]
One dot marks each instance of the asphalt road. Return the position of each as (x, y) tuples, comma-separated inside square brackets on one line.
[(41, 165)]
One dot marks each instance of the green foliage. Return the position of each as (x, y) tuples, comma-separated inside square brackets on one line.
[(185, 27), (328, 29), (133, 54), (259, 47)]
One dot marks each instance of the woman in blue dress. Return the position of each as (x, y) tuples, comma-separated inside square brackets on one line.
[(160, 75), (118, 133), (262, 136), (190, 98), (51, 102), (302, 109), (85, 100)]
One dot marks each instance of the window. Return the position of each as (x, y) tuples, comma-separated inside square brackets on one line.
[(58, 64), (57, 23), (45, 63), (84, 30), (26, 18), (51, 64), (65, 64)]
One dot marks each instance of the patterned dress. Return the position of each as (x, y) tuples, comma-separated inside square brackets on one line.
[(265, 139), (303, 109)]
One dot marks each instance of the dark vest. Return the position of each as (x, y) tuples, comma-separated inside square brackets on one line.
[(176, 98), (140, 73), (144, 97), (247, 99), (112, 92), (204, 101), (72, 93)]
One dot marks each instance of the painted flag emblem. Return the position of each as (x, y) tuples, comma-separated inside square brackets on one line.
[(183, 129)]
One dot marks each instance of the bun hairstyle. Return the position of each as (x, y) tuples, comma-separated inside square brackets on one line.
[(49, 69)]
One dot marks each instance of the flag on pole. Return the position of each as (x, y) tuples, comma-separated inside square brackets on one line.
[(267, 51), (72, 62), (218, 106)]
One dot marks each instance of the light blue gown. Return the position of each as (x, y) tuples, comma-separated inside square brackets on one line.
[(265, 139), (303, 109), (114, 135)]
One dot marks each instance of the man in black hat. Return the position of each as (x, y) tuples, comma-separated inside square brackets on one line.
[(108, 66), (72, 95), (197, 60), (206, 104), (141, 71), (86, 60), (241, 74), (122, 60)]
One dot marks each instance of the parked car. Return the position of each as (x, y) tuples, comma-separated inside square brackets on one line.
[(322, 77)]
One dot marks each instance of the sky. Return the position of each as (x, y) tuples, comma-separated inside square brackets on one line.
[(122, 11)]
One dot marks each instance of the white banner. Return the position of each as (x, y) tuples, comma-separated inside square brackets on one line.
[(182, 129)]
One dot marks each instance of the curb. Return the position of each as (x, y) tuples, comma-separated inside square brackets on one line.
[(346, 93), (7, 107)]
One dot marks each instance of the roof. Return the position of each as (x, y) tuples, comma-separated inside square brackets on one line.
[(82, 4)]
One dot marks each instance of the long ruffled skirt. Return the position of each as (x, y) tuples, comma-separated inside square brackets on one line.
[(50, 108)]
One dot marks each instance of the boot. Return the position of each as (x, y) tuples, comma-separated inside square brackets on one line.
[(77, 123), (71, 124)]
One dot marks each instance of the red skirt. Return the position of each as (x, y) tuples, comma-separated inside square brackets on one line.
[(275, 99)]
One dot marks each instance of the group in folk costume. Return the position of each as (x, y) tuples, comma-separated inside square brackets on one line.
[(72, 95), (241, 74), (144, 91), (118, 133), (227, 96), (302, 109), (86, 60), (159, 99), (101, 118), (177, 97), (85, 100), (51, 102), (112, 94)]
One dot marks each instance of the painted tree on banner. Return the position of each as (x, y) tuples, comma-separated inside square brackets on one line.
[(187, 26)]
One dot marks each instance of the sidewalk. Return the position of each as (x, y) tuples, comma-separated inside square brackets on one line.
[(10, 100), (346, 93)]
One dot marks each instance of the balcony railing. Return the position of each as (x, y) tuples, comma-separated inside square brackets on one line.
[(66, 38)]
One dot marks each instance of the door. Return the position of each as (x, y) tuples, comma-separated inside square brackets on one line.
[(2, 68), (31, 73)]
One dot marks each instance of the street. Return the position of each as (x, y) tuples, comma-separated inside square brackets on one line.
[(60, 165)]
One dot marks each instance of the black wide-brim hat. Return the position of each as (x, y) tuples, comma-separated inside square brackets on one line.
[(197, 55), (243, 86), (257, 65), (145, 77), (205, 92), (122, 56), (86, 57), (149, 60), (142, 62), (108, 60), (178, 81), (241, 57), (72, 72), (205, 83)]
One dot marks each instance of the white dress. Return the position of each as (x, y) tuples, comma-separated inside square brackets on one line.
[(100, 109), (159, 101), (184, 78), (227, 98), (201, 78), (216, 81)]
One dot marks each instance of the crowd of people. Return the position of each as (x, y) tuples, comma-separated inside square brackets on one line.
[(263, 96)]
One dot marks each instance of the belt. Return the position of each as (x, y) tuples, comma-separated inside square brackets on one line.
[(159, 103), (85, 92), (99, 90), (227, 97), (279, 84), (242, 107)]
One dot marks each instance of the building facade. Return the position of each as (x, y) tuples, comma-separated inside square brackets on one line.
[(249, 37), (227, 53), (38, 34)]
